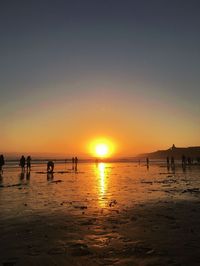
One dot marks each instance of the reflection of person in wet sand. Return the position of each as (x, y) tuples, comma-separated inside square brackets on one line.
[(49, 175), (21, 176), (50, 166), (28, 175)]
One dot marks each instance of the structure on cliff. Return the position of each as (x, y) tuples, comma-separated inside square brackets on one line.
[(176, 152)]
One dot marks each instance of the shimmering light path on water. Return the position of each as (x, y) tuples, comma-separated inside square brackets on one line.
[(103, 214), (93, 188)]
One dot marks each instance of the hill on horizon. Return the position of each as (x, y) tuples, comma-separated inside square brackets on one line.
[(176, 152)]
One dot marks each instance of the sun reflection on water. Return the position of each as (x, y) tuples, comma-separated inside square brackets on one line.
[(102, 186)]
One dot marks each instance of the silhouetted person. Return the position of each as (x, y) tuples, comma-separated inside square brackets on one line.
[(76, 163), (1, 179), (189, 161), (73, 161), (168, 164), (183, 160), (147, 162), (167, 159), (50, 166), (22, 162), (172, 161), (65, 163), (2, 162), (28, 163), (96, 162), (172, 164)]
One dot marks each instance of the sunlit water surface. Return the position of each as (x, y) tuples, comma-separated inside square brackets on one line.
[(93, 188)]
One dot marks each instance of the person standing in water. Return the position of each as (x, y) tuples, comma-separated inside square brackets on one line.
[(22, 162), (147, 161), (2, 162), (172, 162), (76, 163), (167, 159), (73, 161), (28, 163), (168, 163), (50, 166)]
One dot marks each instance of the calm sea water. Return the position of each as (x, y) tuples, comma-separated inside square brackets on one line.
[(94, 188)]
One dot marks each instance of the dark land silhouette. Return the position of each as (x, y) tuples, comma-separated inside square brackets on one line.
[(175, 152)]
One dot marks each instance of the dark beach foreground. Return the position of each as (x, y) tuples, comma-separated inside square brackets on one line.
[(161, 227), (160, 233)]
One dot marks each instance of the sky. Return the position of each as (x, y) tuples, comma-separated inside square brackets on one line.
[(72, 71)]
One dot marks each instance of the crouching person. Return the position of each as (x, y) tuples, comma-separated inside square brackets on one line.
[(50, 166)]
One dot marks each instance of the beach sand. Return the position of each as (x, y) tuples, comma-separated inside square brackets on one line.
[(112, 214)]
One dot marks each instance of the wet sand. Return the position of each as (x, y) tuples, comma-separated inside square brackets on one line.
[(150, 217)]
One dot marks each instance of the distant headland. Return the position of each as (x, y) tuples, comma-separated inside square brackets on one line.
[(176, 152)]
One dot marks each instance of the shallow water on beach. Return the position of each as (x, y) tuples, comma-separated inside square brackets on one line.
[(93, 188), (101, 214)]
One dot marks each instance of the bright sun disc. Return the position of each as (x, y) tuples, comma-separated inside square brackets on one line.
[(101, 149)]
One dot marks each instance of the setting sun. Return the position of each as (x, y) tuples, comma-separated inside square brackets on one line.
[(101, 150), (102, 147)]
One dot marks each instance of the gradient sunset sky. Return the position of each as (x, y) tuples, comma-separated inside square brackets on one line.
[(72, 71)]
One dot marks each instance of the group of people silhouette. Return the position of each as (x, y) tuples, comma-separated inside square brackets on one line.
[(25, 162), (188, 160), (74, 163), (171, 162), (184, 161), (50, 165)]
